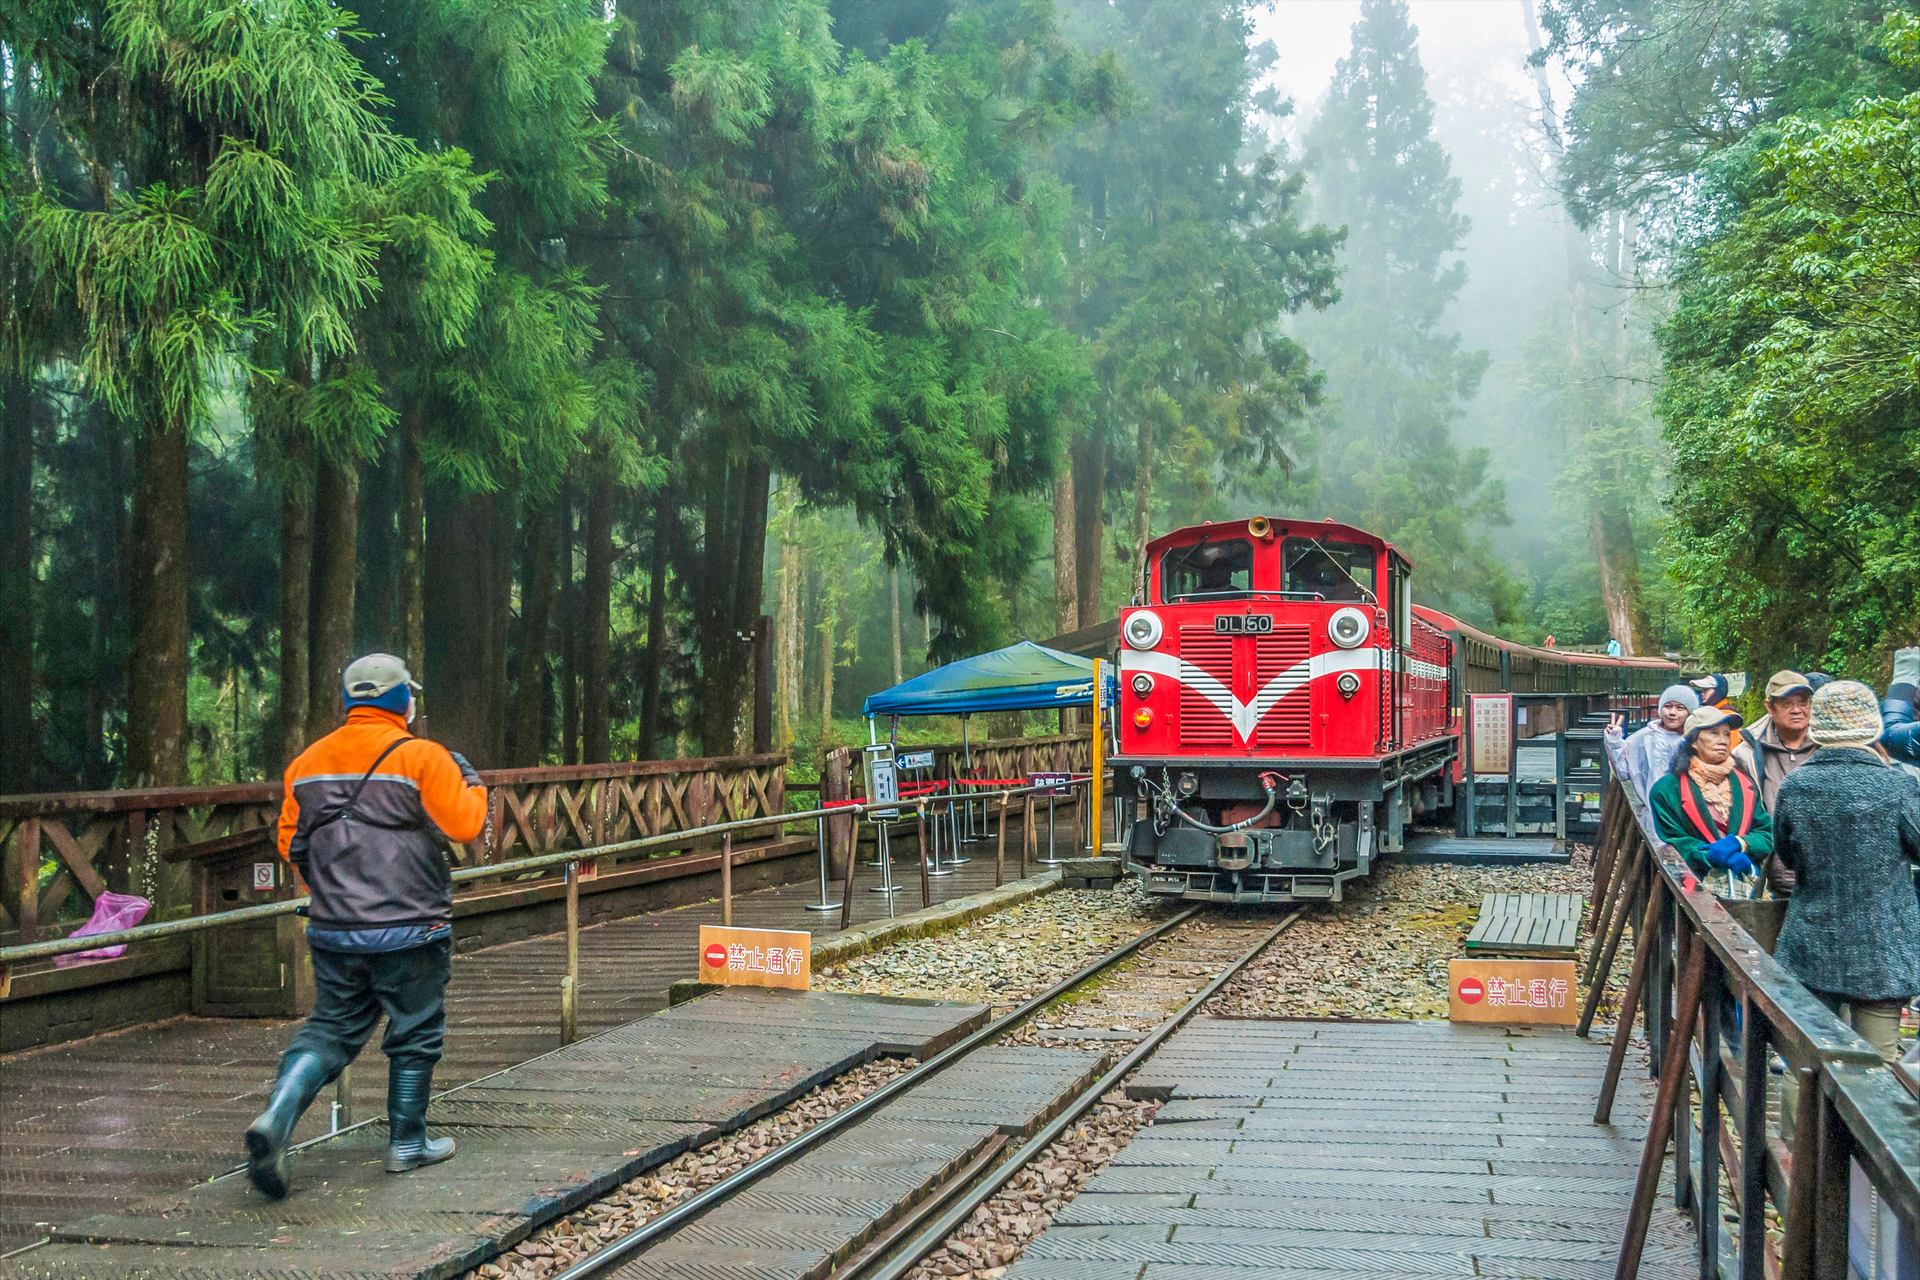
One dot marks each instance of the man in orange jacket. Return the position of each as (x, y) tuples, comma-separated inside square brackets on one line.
[(365, 812)]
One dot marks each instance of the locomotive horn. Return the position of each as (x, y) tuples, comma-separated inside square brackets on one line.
[(1260, 527)]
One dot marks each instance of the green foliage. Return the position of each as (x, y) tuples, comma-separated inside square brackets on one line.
[(1188, 252), (1396, 375), (1790, 405), (1668, 88)]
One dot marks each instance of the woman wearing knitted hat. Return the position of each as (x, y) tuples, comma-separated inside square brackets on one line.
[(1650, 749), (1707, 809), (1848, 824)]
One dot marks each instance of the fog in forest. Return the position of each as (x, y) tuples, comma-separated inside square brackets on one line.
[(646, 342)]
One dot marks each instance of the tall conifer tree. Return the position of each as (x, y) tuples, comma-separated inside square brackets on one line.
[(1396, 374)]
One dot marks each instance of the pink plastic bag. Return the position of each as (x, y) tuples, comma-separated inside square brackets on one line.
[(110, 912)]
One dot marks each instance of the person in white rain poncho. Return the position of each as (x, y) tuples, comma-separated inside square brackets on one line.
[(1650, 749)]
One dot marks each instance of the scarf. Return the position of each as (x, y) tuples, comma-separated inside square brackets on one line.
[(1714, 785)]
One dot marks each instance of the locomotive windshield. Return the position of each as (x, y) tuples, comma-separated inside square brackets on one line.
[(1330, 570), (1206, 569)]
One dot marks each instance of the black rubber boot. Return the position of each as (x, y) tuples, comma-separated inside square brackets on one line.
[(299, 1084), (408, 1146)]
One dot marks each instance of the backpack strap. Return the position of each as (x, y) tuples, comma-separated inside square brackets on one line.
[(353, 800)]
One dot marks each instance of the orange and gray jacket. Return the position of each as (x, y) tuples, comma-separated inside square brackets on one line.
[(376, 862)]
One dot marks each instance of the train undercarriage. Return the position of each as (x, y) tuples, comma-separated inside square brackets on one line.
[(1227, 830)]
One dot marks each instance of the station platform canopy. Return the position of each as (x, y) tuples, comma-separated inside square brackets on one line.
[(1020, 677)]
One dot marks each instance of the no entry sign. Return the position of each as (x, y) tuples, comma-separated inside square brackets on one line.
[(756, 957), (1512, 991)]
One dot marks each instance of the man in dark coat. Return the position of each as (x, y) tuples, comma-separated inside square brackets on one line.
[(1848, 824)]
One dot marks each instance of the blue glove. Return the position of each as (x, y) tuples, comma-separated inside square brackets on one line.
[(1726, 854), (467, 771)]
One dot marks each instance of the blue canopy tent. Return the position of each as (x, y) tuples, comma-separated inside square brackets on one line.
[(1020, 677)]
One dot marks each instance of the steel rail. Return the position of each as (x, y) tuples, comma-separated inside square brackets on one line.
[(460, 875), (896, 1267), (611, 1255)]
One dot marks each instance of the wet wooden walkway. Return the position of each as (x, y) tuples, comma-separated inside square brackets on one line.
[(535, 1142), (1326, 1150), (95, 1125)]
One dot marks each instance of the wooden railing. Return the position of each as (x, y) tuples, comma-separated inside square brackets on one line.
[(1833, 1145), (61, 851)]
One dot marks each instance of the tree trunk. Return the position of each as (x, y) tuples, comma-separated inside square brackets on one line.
[(829, 626), (111, 532), (505, 536), (1612, 526), (893, 593), (413, 546), (596, 620), (459, 631), (792, 567), (1066, 573), (749, 591), (536, 615), (18, 404), (336, 532), (1089, 509), (1142, 508), (569, 633), (157, 608), (718, 591), (652, 678)]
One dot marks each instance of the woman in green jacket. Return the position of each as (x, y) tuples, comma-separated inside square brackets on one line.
[(1706, 808)]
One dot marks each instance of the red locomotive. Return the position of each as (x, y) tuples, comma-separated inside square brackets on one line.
[(1285, 710)]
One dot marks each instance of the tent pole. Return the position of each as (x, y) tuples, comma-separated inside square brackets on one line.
[(966, 756), (873, 733), (1096, 785)]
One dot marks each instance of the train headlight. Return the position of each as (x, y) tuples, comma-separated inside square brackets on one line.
[(1142, 718), (1349, 628), (1186, 784), (1143, 629), (1348, 684), (1142, 684)]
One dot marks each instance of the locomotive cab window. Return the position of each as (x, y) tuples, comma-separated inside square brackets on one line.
[(1330, 570), (1206, 570)]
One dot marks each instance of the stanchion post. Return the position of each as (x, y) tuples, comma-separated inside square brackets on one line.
[(926, 886), (1000, 847), (1095, 798), (820, 842), (726, 879), (1026, 835), (570, 985)]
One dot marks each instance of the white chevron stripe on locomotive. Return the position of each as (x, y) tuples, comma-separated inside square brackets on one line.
[(1246, 716)]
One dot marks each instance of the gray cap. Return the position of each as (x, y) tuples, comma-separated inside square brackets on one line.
[(373, 675)]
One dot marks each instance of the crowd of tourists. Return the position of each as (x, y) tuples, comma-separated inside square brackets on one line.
[(1817, 802)]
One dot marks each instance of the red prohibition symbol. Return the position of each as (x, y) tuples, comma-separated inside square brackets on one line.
[(715, 955), (1472, 990)]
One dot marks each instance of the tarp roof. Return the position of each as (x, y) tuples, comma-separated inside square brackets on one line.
[(1019, 677)]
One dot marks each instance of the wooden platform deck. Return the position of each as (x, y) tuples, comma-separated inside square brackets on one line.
[(1326, 1150), (534, 1142), (1527, 924), (95, 1125)]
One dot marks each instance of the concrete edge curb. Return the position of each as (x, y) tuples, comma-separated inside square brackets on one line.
[(940, 918)]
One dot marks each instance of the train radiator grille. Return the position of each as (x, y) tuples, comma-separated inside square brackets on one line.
[(1201, 724), (1290, 722)]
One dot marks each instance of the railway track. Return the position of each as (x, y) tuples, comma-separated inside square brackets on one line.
[(1193, 955)]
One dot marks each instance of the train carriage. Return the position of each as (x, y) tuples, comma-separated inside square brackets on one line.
[(1285, 711)]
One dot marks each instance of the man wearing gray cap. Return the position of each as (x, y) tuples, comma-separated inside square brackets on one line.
[(363, 818)]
